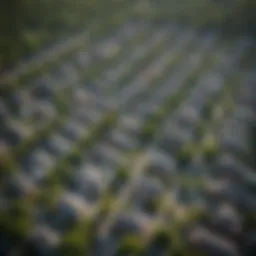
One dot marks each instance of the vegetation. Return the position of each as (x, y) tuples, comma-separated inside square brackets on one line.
[(253, 144), (199, 129), (148, 132), (185, 154), (29, 25), (39, 25), (16, 222), (77, 241), (132, 246), (210, 147), (162, 239), (121, 176), (232, 16)]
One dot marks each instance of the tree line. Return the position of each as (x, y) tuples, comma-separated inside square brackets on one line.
[(27, 25)]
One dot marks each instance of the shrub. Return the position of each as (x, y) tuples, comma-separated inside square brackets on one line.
[(75, 157), (7, 163), (162, 238), (119, 179), (131, 245), (79, 240), (152, 205), (73, 244), (17, 221), (210, 147), (106, 205), (207, 111), (199, 130), (148, 132), (185, 154)]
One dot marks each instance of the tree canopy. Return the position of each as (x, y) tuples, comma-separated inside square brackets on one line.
[(28, 25)]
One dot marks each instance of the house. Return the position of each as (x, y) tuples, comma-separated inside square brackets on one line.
[(42, 240), (173, 138), (19, 186), (211, 244), (161, 166), (88, 182), (129, 223)]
